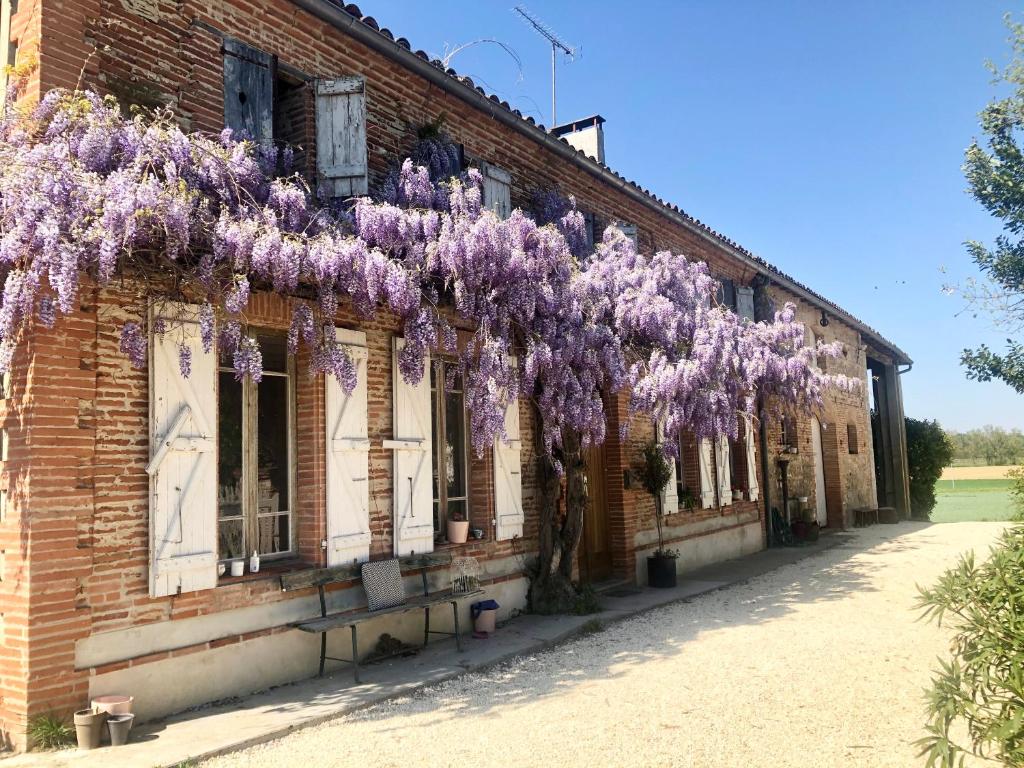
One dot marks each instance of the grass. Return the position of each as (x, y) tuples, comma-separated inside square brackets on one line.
[(972, 500), (50, 731)]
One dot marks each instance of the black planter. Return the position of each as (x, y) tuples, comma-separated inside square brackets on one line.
[(661, 571)]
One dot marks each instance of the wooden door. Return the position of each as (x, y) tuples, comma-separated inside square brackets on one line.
[(596, 563)]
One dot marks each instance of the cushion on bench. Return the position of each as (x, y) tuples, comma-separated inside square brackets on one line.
[(382, 581)]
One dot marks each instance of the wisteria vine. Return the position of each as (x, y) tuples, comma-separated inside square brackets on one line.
[(88, 191)]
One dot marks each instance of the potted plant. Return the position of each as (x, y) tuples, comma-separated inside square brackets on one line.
[(458, 528), (687, 500), (654, 475)]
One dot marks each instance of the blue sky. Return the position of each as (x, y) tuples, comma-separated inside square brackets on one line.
[(825, 137)]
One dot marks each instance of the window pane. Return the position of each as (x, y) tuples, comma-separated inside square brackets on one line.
[(231, 538), (457, 509), (272, 451), (275, 352), (274, 534), (455, 445), (229, 467)]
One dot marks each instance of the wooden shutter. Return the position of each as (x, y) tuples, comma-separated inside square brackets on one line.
[(508, 478), (248, 91), (706, 463), (341, 135), (745, 301), (183, 458), (497, 190), (723, 466), (670, 493), (413, 452), (348, 470), (752, 489)]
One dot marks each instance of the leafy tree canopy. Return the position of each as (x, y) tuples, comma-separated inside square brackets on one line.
[(995, 177)]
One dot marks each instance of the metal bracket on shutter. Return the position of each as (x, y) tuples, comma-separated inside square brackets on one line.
[(406, 444)]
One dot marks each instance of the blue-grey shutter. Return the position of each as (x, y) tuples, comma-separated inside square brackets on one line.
[(248, 91), (745, 301)]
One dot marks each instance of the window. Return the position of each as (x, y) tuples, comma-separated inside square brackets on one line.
[(448, 426), (787, 436), (726, 294), (255, 457), (851, 438), (820, 360)]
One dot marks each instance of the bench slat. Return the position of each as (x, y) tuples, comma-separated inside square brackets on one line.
[(318, 577), (347, 619)]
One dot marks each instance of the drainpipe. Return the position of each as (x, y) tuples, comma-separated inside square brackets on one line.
[(770, 534), (905, 370)]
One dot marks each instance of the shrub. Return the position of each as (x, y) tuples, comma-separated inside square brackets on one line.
[(982, 686), (929, 450), (50, 731)]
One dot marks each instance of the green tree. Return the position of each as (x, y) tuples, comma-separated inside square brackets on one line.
[(995, 176), (929, 450)]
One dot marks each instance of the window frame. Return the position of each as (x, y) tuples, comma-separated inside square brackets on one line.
[(686, 460), (438, 403), (250, 458)]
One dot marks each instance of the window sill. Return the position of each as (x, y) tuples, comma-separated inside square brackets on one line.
[(271, 570), (447, 546)]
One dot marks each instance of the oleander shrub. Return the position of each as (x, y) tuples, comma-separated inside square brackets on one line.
[(980, 688)]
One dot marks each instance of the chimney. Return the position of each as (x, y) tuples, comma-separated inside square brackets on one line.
[(586, 134)]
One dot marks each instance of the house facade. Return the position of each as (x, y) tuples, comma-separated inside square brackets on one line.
[(116, 511)]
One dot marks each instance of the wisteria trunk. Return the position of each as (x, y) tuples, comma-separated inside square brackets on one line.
[(552, 590)]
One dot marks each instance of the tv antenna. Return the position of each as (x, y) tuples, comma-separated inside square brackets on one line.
[(557, 44)]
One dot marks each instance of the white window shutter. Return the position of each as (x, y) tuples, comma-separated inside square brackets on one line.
[(752, 489), (508, 477), (670, 493), (183, 458), (724, 468), (341, 135), (413, 451), (706, 462), (348, 460), (497, 190), (745, 301)]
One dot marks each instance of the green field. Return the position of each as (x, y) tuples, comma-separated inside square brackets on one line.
[(963, 500)]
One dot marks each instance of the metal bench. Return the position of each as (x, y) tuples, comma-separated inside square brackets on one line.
[(325, 622)]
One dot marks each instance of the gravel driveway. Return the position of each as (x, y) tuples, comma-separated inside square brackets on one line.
[(820, 663)]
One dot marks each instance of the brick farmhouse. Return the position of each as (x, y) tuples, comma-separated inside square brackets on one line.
[(97, 591)]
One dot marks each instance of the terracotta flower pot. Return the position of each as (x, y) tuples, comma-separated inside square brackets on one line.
[(89, 727), (119, 726), (114, 704), (458, 531)]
